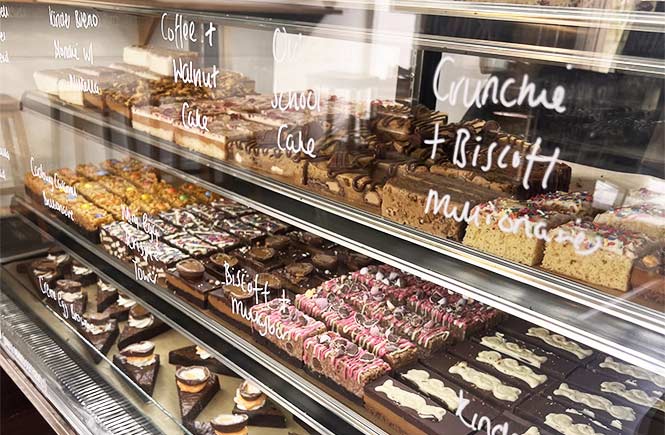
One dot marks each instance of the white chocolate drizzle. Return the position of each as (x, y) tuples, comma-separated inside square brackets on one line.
[(511, 367), (533, 430), (411, 400), (636, 396), (433, 387), (560, 342), (486, 382), (596, 402), (500, 344), (633, 371), (564, 423)]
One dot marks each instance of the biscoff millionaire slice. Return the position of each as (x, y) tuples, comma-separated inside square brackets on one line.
[(512, 229), (597, 254), (645, 218)]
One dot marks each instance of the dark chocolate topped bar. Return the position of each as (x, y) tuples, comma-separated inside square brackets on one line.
[(547, 340), (476, 381), (628, 373), (525, 377), (410, 412), (445, 391), (549, 363), (547, 413)]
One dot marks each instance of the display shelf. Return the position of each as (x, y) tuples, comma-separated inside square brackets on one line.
[(570, 308), (290, 387), (592, 17), (87, 401)]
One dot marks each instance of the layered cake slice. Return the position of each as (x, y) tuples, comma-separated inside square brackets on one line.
[(196, 388), (190, 281), (340, 360), (594, 253), (512, 229), (285, 326), (408, 412), (433, 203), (140, 363), (157, 120), (107, 295), (252, 402), (646, 218), (575, 203), (100, 331)]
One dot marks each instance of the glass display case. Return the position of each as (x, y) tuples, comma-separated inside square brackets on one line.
[(338, 217)]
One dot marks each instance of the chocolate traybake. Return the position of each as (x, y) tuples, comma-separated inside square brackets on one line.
[(408, 412), (223, 424), (119, 310), (196, 387), (71, 298), (233, 302), (141, 326), (101, 331), (252, 402), (140, 363), (197, 356), (190, 281), (82, 274)]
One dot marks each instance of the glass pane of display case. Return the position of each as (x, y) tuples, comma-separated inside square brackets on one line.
[(386, 217)]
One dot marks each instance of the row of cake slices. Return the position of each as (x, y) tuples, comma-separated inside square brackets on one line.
[(196, 374), (620, 248)]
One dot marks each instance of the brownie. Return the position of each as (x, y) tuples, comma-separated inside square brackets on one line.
[(478, 382), (196, 388), (547, 340), (182, 218), (82, 274), (141, 326), (221, 240), (70, 298), (286, 248), (101, 331), (231, 208), (300, 277), (107, 295), (190, 281), (445, 392), (196, 356), (252, 402), (140, 364), (549, 363), (246, 232), (545, 412), (311, 242), (265, 223), (521, 375), (258, 259), (408, 412), (190, 244)]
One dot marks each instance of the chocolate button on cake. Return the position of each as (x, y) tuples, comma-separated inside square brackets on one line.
[(190, 281), (219, 264), (196, 387)]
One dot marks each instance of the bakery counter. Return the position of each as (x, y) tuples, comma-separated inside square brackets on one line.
[(383, 351), (595, 317)]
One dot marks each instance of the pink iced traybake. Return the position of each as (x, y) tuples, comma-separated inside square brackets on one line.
[(343, 362), (285, 326)]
